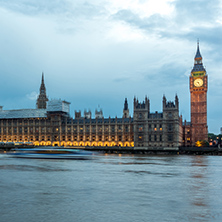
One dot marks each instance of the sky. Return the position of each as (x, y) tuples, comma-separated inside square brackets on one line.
[(96, 53)]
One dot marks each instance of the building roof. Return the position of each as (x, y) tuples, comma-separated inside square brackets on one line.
[(198, 67), (23, 113), (198, 55)]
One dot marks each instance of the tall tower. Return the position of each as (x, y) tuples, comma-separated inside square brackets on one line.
[(125, 109), (198, 99), (42, 98)]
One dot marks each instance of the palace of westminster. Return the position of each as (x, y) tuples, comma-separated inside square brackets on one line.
[(50, 123)]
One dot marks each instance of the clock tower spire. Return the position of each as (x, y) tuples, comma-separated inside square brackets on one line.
[(198, 99)]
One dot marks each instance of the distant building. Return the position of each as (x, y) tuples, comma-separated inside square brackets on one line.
[(50, 123), (197, 129)]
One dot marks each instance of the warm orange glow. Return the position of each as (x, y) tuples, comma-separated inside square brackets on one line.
[(120, 144), (126, 144), (55, 144), (106, 144), (48, 143), (87, 144), (100, 143), (113, 144), (81, 144)]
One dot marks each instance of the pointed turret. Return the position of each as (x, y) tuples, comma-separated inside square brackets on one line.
[(198, 55), (126, 109), (42, 98), (198, 65)]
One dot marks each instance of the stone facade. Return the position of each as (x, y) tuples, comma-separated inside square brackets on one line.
[(197, 129), (50, 123), (157, 129)]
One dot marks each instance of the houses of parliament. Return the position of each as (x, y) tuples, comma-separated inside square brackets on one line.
[(50, 124)]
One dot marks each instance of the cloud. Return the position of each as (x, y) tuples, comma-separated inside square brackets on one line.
[(32, 96), (121, 79)]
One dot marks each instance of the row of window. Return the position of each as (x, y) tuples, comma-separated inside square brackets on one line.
[(56, 129), (155, 138), (56, 138)]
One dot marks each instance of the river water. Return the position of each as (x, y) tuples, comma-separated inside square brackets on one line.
[(112, 188)]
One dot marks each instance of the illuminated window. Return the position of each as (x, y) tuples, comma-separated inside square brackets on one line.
[(140, 128), (140, 138)]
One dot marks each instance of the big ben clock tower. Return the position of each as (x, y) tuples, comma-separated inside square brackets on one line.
[(198, 99)]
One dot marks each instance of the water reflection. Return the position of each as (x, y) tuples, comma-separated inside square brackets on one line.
[(199, 188), (112, 188)]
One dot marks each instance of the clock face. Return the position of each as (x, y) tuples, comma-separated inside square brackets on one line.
[(198, 82)]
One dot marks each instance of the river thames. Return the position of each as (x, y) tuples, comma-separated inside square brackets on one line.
[(112, 188)]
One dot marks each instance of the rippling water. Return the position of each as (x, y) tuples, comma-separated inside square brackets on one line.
[(112, 188)]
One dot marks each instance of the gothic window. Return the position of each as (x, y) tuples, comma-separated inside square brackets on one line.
[(87, 128), (170, 115), (93, 128), (170, 138), (149, 126), (170, 127), (140, 128), (155, 128), (113, 129), (160, 138), (126, 129), (150, 139), (154, 137), (140, 138), (140, 116)]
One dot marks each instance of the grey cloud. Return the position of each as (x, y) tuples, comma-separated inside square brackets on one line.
[(64, 7), (189, 21), (121, 79), (196, 11), (166, 74), (134, 20)]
